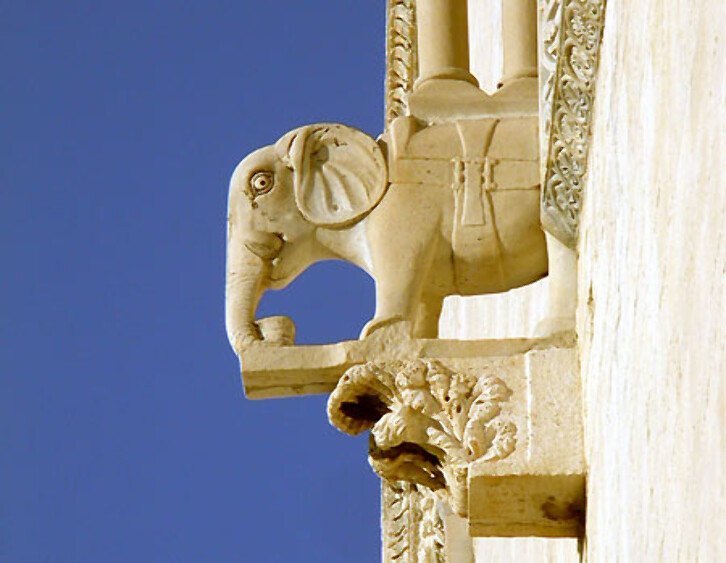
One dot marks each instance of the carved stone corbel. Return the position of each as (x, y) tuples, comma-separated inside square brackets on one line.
[(498, 439), (449, 200), (427, 423)]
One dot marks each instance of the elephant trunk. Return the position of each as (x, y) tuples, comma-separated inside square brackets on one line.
[(248, 273)]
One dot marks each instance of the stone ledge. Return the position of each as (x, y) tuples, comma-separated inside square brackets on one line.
[(287, 371)]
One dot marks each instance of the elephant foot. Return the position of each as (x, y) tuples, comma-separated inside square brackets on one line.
[(554, 325), (245, 337), (270, 331), (396, 324), (278, 330)]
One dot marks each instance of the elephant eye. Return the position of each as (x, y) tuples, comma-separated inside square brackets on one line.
[(262, 182)]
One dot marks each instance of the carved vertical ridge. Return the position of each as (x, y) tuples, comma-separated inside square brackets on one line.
[(570, 48), (397, 525), (412, 529), (401, 57)]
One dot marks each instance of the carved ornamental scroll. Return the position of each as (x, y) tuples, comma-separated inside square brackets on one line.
[(412, 527), (401, 57), (570, 34)]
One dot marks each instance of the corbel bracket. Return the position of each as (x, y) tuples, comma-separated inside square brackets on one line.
[(498, 438), (449, 200)]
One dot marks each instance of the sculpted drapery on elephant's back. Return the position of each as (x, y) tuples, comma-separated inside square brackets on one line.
[(428, 211), (492, 167)]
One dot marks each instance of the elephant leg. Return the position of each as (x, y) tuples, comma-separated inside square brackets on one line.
[(403, 235), (427, 319), (562, 289), (400, 277), (396, 300)]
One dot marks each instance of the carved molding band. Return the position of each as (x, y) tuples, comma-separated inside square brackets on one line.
[(401, 57), (427, 423), (571, 32), (412, 527)]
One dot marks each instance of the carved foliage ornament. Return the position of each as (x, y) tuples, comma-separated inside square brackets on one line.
[(572, 31), (427, 423)]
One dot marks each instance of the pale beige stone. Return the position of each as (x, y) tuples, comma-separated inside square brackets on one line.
[(413, 525), (540, 489), (486, 58), (498, 438), (460, 215), (445, 202), (285, 371), (652, 298), (570, 34), (519, 40)]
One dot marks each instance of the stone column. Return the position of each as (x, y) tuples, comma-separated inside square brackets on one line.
[(519, 39), (443, 40)]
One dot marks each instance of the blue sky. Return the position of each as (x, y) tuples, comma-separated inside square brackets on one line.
[(125, 432)]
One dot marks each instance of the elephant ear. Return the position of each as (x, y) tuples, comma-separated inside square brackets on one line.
[(340, 173)]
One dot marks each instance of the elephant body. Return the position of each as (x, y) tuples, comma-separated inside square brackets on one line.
[(428, 211)]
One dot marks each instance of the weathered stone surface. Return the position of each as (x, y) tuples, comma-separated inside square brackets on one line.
[(445, 202), (283, 371), (652, 298), (498, 438), (539, 490)]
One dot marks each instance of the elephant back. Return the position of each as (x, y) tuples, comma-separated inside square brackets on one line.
[(491, 165)]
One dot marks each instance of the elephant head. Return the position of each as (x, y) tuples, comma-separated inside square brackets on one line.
[(322, 176)]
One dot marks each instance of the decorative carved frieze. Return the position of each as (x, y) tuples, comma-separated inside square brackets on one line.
[(401, 57), (570, 34), (412, 528)]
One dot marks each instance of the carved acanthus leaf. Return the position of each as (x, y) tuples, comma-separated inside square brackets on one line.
[(427, 423)]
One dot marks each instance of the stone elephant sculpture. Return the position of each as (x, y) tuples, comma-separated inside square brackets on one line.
[(427, 210)]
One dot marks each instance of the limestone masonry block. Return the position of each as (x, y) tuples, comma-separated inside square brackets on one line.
[(539, 490)]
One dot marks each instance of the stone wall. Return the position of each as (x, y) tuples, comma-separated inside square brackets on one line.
[(652, 275)]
